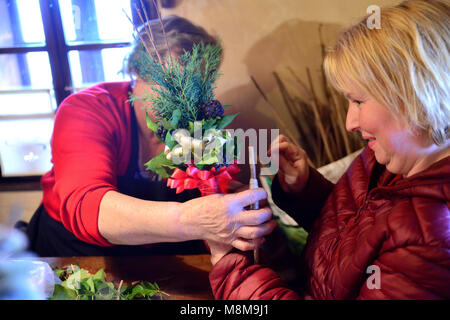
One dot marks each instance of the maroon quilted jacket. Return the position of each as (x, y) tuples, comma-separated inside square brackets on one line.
[(373, 236)]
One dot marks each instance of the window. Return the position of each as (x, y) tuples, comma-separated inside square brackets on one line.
[(48, 50)]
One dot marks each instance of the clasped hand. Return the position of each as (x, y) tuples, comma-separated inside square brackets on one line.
[(222, 220)]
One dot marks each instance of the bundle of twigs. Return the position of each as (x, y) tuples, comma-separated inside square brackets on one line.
[(321, 125)]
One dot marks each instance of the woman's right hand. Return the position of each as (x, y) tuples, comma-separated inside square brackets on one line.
[(293, 172), (223, 218)]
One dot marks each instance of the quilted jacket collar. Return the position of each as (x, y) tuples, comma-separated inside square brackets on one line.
[(434, 182)]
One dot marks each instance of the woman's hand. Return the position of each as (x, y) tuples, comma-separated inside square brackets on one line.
[(218, 250), (236, 186), (223, 219), (293, 172)]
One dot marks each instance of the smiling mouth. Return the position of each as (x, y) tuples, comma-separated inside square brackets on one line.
[(370, 141), (368, 138)]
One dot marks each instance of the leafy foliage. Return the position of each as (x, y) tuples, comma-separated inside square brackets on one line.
[(79, 284), (160, 165)]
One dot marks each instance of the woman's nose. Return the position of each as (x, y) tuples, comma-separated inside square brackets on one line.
[(352, 120)]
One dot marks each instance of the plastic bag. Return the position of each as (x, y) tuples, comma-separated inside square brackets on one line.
[(22, 277)]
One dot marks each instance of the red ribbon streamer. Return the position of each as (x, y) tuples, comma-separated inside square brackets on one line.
[(208, 182)]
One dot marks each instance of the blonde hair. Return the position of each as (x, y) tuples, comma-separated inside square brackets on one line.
[(404, 65)]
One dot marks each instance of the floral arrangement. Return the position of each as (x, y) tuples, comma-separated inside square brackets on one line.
[(188, 119)]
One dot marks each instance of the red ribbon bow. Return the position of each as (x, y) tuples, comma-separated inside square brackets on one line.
[(207, 182)]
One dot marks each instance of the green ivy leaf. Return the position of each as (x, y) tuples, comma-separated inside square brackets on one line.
[(166, 124), (125, 292), (59, 272), (89, 284), (191, 128), (138, 290), (152, 125), (145, 290), (99, 275), (63, 293), (226, 120), (209, 124), (160, 165), (106, 291), (170, 142), (176, 116), (74, 280)]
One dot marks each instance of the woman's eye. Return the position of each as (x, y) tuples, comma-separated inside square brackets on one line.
[(358, 102)]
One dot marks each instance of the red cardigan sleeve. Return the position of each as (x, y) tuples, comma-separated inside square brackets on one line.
[(90, 135), (234, 277)]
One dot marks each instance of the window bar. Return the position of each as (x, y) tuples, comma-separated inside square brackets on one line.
[(18, 41), (57, 49), (88, 59)]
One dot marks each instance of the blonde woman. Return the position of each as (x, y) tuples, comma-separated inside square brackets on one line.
[(383, 231)]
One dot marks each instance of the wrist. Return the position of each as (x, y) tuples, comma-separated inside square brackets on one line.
[(218, 250), (186, 225), (216, 257), (294, 188)]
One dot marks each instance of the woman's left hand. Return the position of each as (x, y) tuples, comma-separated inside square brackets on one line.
[(219, 250)]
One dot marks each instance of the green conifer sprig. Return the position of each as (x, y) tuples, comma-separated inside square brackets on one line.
[(184, 83)]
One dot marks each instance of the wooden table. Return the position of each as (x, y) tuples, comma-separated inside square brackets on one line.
[(183, 277)]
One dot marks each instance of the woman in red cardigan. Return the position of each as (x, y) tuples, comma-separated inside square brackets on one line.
[(98, 200), (383, 231)]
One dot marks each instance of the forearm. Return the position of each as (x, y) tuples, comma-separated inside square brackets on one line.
[(130, 221)]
